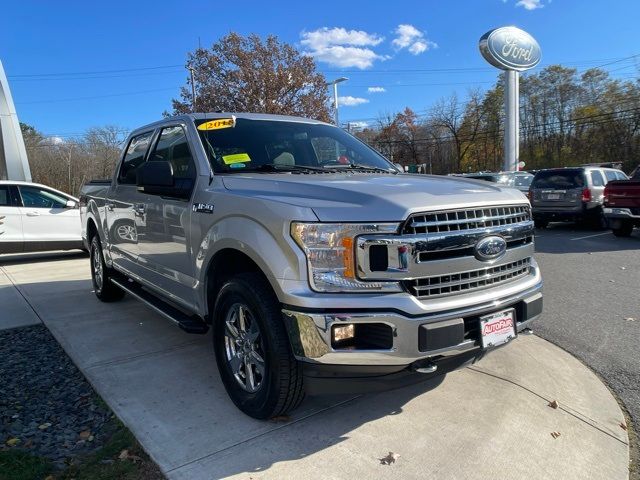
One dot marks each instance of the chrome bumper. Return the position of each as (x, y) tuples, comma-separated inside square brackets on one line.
[(622, 213), (310, 332)]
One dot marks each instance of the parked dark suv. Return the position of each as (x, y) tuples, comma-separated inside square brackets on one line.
[(570, 194)]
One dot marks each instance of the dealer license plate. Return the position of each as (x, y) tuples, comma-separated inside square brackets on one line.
[(497, 328)]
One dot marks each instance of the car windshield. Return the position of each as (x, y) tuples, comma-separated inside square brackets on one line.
[(559, 179), (240, 145)]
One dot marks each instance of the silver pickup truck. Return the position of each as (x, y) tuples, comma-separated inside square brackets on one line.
[(316, 264)]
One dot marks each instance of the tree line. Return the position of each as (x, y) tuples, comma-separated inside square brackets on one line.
[(566, 119)]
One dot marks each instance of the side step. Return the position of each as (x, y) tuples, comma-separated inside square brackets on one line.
[(190, 324)]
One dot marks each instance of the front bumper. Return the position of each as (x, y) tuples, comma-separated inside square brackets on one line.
[(310, 332)]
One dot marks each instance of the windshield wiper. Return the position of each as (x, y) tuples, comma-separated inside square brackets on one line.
[(368, 168), (275, 168)]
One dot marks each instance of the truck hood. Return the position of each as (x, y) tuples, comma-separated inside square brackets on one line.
[(364, 197)]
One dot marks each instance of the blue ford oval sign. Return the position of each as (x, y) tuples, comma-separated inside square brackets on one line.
[(510, 48), (490, 248)]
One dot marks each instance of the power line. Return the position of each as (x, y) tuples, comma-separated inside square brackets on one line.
[(120, 70), (140, 92)]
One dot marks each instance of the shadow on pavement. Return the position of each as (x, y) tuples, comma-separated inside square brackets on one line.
[(574, 238), (18, 258)]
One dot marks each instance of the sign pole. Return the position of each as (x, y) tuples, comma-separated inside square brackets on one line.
[(512, 121)]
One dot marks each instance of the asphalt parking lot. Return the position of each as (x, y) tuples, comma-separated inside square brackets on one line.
[(592, 303)]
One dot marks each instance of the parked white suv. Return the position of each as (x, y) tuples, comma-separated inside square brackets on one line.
[(35, 217)]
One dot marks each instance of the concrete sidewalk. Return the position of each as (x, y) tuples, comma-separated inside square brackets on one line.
[(490, 420)]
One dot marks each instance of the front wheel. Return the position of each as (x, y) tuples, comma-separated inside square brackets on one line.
[(252, 349), (624, 229), (101, 274)]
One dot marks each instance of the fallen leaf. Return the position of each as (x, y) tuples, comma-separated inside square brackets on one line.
[(553, 404), (44, 426), (12, 442), (124, 454), (281, 419), (623, 268), (630, 319), (555, 434), (390, 458), (85, 434), (623, 426), (612, 281)]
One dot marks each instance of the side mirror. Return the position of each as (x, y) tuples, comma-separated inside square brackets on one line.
[(155, 174), (71, 204)]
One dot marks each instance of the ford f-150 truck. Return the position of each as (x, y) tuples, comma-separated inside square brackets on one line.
[(622, 204), (316, 264)]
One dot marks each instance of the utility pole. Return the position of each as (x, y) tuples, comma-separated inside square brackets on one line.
[(193, 90)]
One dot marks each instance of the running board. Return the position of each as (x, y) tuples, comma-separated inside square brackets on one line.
[(190, 324)]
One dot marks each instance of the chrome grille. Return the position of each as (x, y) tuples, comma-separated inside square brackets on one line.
[(463, 282), (467, 219)]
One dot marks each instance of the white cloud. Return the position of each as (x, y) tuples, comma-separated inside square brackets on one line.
[(342, 48), (529, 4), (376, 90), (350, 101), (409, 37), (52, 141)]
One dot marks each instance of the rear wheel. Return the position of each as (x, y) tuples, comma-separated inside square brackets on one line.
[(101, 274), (252, 348), (624, 229)]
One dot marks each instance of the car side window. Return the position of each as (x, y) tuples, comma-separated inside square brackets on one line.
[(133, 158), (596, 179), (35, 197), (5, 197), (173, 147), (610, 174), (621, 176)]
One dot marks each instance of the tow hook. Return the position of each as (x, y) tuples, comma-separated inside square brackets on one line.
[(428, 367)]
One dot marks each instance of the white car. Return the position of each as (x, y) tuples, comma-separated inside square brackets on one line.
[(35, 217)]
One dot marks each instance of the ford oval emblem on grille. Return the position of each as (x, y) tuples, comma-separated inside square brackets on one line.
[(490, 248)]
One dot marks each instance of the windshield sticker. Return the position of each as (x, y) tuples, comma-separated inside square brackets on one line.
[(236, 158), (218, 123), (237, 165)]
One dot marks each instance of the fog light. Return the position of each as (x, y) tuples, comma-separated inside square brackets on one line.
[(343, 332)]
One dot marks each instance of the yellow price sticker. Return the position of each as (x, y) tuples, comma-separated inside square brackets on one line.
[(236, 158), (218, 123)]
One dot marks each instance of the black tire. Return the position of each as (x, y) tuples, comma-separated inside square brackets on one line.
[(101, 275), (541, 222), (279, 388), (624, 229)]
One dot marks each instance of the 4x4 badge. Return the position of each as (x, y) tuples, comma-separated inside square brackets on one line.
[(203, 207)]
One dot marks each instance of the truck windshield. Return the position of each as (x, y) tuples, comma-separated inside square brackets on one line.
[(240, 145)]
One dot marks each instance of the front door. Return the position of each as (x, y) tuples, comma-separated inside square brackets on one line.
[(46, 218), (165, 248), (10, 220)]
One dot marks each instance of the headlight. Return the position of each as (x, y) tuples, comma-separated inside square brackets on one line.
[(330, 251)]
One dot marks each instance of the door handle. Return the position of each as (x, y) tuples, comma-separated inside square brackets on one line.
[(110, 206), (33, 214)]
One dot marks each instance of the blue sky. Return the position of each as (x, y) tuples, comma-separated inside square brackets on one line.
[(416, 51)]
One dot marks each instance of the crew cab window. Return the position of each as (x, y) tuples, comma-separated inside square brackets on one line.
[(173, 147), (34, 197), (596, 179), (133, 158)]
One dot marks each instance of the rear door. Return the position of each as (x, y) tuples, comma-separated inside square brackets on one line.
[(165, 248), (46, 217), (559, 189), (11, 239), (125, 204), (599, 178)]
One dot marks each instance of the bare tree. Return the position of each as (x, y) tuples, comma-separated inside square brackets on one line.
[(247, 74)]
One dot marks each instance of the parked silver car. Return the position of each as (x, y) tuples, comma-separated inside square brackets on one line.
[(571, 194)]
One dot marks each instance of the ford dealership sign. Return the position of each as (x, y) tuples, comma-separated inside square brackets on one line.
[(510, 48)]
